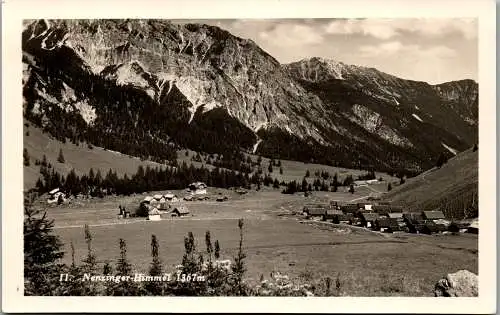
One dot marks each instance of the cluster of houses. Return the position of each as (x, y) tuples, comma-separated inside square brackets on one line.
[(159, 206), (384, 217), (169, 204)]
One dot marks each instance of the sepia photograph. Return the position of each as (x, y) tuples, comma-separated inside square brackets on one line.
[(315, 157)]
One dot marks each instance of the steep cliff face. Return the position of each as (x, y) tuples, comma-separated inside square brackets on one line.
[(147, 86), (421, 117), (209, 66), (462, 97)]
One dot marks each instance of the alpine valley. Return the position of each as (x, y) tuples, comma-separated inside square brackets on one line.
[(149, 87)]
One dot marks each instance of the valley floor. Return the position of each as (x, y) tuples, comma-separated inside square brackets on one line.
[(365, 263)]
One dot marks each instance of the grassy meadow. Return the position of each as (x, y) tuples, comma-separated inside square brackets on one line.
[(362, 262)]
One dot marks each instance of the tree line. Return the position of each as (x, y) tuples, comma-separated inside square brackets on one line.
[(146, 179)]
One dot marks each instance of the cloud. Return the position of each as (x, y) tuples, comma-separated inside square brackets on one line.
[(397, 48), (389, 28), (290, 35)]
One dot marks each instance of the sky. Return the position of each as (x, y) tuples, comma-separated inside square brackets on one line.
[(434, 50)]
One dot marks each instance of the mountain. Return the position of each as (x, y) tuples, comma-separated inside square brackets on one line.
[(148, 87), (373, 105), (452, 186)]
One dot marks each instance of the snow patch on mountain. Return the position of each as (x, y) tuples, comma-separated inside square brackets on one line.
[(417, 117), (256, 145), (453, 151)]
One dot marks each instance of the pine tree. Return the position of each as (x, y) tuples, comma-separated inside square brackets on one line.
[(281, 170), (351, 189), (216, 249), (238, 268), (389, 187), (304, 184), (270, 168), (123, 268), (89, 265), (60, 158), (42, 253), (155, 287), (308, 173)]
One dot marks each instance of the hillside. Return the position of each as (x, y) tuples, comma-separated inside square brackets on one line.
[(454, 183), (151, 87), (80, 157)]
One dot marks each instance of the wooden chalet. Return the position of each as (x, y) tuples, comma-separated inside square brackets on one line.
[(368, 219)]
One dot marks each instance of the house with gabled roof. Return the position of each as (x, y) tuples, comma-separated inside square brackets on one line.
[(368, 218)]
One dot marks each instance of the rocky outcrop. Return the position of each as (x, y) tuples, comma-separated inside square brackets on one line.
[(462, 283)]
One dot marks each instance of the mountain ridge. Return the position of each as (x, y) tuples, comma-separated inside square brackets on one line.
[(198, 86)]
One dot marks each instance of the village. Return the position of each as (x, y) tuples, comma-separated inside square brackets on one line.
[(383, 217), (374, 215)]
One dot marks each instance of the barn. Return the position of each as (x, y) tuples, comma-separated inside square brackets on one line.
[(180, 211)]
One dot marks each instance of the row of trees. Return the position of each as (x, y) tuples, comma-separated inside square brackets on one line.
[(318, 185), (146, 179)]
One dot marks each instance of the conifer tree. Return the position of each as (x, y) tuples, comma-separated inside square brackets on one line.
[(217, 249), (123, 268), (155, 287), (60, 158), (42, 253), (238, 268)]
